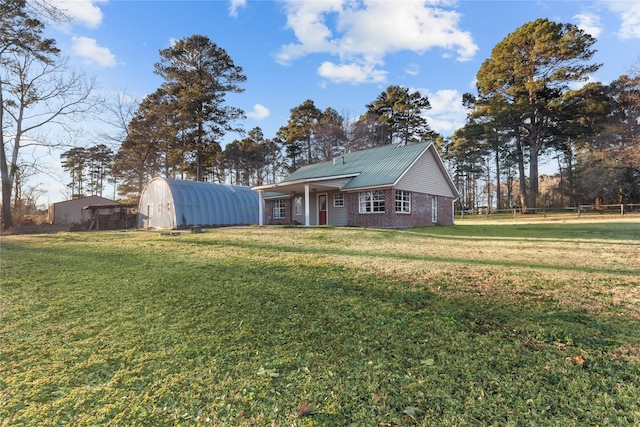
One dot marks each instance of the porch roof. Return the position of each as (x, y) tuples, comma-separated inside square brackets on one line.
[(315, 184), (376, 167)]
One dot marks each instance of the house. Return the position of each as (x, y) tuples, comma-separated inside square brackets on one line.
[(72, 212), (392, 186), (176, 203)]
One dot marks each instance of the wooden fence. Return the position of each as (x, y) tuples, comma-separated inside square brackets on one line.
[(582, 211)]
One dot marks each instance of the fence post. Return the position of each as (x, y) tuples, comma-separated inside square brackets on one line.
[(621, 209), (514, 214)]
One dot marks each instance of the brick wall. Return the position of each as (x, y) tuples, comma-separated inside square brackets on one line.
[(268, 213), (420, 215), (445, 210)]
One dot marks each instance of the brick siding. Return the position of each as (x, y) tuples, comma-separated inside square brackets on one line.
[(420, 215), (268, 213)]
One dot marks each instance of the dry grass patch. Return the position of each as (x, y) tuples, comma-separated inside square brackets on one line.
[(595, 274)]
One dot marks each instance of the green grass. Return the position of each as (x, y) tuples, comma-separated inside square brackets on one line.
[(477, 324)]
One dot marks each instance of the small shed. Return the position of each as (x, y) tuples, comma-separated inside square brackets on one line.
[(112, 217), (176, 203), (72, 212)]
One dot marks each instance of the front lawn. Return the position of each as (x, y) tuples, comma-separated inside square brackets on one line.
[(509, 325)]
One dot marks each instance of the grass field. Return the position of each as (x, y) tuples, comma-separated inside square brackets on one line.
[(473, 325)]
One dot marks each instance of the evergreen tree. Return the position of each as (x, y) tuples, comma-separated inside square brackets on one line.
[(74, 162), (330, 136), (525, 75), (198, 75), (298, 134), (399, 116), (608, 164)]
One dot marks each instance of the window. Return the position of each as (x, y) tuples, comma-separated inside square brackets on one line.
[(371, 201), (168, 206), (279, 208), (434, 209), (338, 200), (403, 201), (297, 205)]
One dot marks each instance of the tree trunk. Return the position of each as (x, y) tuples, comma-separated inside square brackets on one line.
[(498, 189), (141, 181), (522, 177), (563, 190), (533, 178), (488, 188), (199, 150), (509, 189), (7, 220), (533, 172), (570, 179)]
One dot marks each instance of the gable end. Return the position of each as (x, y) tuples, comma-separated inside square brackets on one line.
[(426, 176)]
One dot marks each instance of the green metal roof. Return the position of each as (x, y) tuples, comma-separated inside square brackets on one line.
[(375, 167)]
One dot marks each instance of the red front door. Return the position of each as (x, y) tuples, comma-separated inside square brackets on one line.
[(322, 209)]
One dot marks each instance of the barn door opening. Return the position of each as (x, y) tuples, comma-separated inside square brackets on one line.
[(322, 209)]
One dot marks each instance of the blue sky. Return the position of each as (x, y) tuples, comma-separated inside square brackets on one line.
[(338, 53)]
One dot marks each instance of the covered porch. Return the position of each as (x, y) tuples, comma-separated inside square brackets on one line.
[(306, 188)]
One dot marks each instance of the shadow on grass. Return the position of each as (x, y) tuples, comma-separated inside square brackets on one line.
[(558, 232), (404, 256), (272, 292), (622, 233), (243, 335)]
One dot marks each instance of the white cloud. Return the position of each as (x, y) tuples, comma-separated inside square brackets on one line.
[(85, 12), (589, 23), (629, 12), (235, 5), (447, 114), (88, 49), (307, 20), (351, 73), (364, 32), (259, 112), (413, 69)]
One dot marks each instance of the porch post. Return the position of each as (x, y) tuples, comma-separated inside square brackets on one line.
[(260, 207), (306, 205)]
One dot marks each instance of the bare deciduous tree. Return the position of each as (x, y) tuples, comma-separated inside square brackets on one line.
[(37, 89)]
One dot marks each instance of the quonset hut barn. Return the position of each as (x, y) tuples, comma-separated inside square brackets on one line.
[(175, 203)]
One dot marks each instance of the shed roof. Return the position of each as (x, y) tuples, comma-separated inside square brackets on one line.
[(88, 200)]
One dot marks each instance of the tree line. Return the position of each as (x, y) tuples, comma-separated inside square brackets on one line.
[(526, 107), (532, 99), (163, 138)]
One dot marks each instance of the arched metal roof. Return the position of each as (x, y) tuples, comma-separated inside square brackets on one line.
[(176, 203)]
